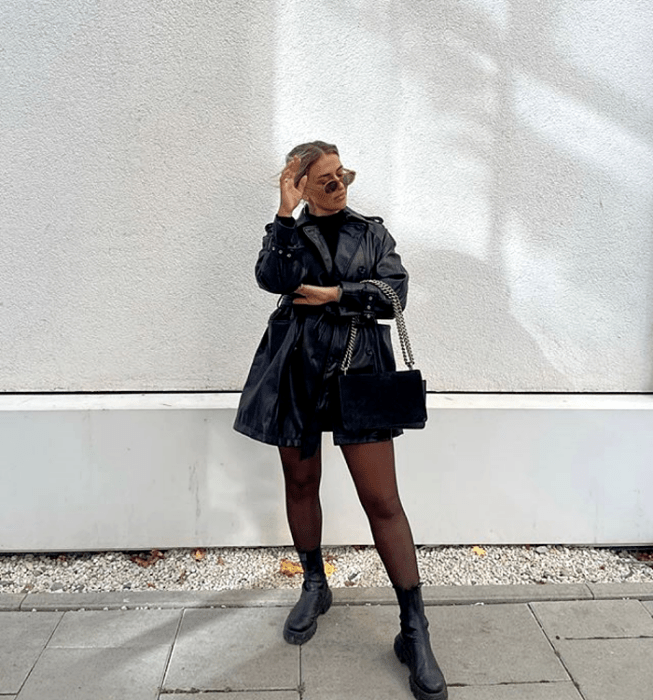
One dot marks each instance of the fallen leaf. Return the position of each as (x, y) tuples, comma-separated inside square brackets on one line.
[(479, 551), (220, 561), (290, 568), (147, 559), (349, 583), (199, 554)]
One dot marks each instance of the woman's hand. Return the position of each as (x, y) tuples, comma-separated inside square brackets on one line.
[(310, 294), (291, 196)]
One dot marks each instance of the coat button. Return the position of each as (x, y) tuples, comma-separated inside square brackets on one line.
[(362, 269)]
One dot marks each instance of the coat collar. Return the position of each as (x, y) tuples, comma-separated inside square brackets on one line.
[(312, 232), (350, 215)]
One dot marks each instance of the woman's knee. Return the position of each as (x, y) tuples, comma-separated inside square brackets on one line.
[(302, 476), (382, 507)]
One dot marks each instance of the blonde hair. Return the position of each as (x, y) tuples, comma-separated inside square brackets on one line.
[(308, 153)]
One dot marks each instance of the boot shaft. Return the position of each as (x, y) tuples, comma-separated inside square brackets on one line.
[(313, 566), (411, 609)]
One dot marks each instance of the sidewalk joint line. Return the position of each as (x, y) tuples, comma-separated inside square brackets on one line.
[(555, 651), (45, 646), (172, 647)]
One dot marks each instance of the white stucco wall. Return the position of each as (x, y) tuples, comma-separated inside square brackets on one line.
[(508, 145)]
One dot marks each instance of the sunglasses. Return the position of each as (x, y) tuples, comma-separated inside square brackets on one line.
[(347, 177)]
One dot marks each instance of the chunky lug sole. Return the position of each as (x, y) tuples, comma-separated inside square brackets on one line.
[(418, 692), (293, 637)]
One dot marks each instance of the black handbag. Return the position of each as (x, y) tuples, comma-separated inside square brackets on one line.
[(382, 400)]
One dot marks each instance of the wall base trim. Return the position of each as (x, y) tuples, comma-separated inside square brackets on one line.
[(137, 471)]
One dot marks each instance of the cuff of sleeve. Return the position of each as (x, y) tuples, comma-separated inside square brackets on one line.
[(284, 230), (350, 293)]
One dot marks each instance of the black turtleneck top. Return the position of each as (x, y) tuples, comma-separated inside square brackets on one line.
[(329, 227)]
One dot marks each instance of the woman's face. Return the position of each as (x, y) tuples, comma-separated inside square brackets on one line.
[(325, 169)]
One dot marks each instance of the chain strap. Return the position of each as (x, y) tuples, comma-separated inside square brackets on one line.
[(406, 349)]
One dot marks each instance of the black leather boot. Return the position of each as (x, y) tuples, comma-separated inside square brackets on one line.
[(413, 647), (315, 600)]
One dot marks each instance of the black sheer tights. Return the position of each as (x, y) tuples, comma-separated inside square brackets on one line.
[(372, 466)]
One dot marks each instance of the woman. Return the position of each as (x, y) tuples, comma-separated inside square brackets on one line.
[(317, 263)]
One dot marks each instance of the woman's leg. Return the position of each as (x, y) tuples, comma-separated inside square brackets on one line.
[(372, 466), (302, 478)]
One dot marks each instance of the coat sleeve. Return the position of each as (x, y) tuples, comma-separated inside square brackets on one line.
[(282, 262), (365, 298)]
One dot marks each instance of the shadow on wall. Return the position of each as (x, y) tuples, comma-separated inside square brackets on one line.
[(557, 147), (476, 335)]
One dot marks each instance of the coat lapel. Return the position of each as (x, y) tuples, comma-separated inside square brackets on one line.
[(314, 235), (348, 241)]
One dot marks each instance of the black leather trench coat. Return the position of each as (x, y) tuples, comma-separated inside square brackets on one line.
[(291, 383)]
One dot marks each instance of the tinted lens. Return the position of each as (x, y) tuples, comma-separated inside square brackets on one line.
[(347, 178)]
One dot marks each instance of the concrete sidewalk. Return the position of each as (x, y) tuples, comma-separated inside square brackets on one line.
[(550, 642)]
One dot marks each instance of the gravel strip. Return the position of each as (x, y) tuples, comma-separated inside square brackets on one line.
[(256, 568)]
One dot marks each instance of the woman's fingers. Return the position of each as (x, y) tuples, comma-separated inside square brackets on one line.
[(291, 195), (291, 169), (301, 185)]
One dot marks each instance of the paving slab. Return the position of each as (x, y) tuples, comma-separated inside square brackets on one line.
[(464, 595), (116, 628), (519, 691), (648, 606), (382, 595), (255, 695), (10, 601), (493, 644), (351, 656), (264, 598), (642, 591), (116, 600), (109, 674), (606, 669), (594, 619), (450, 595), (233, 649), (23, 637), (130, 600), (474, 645)]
